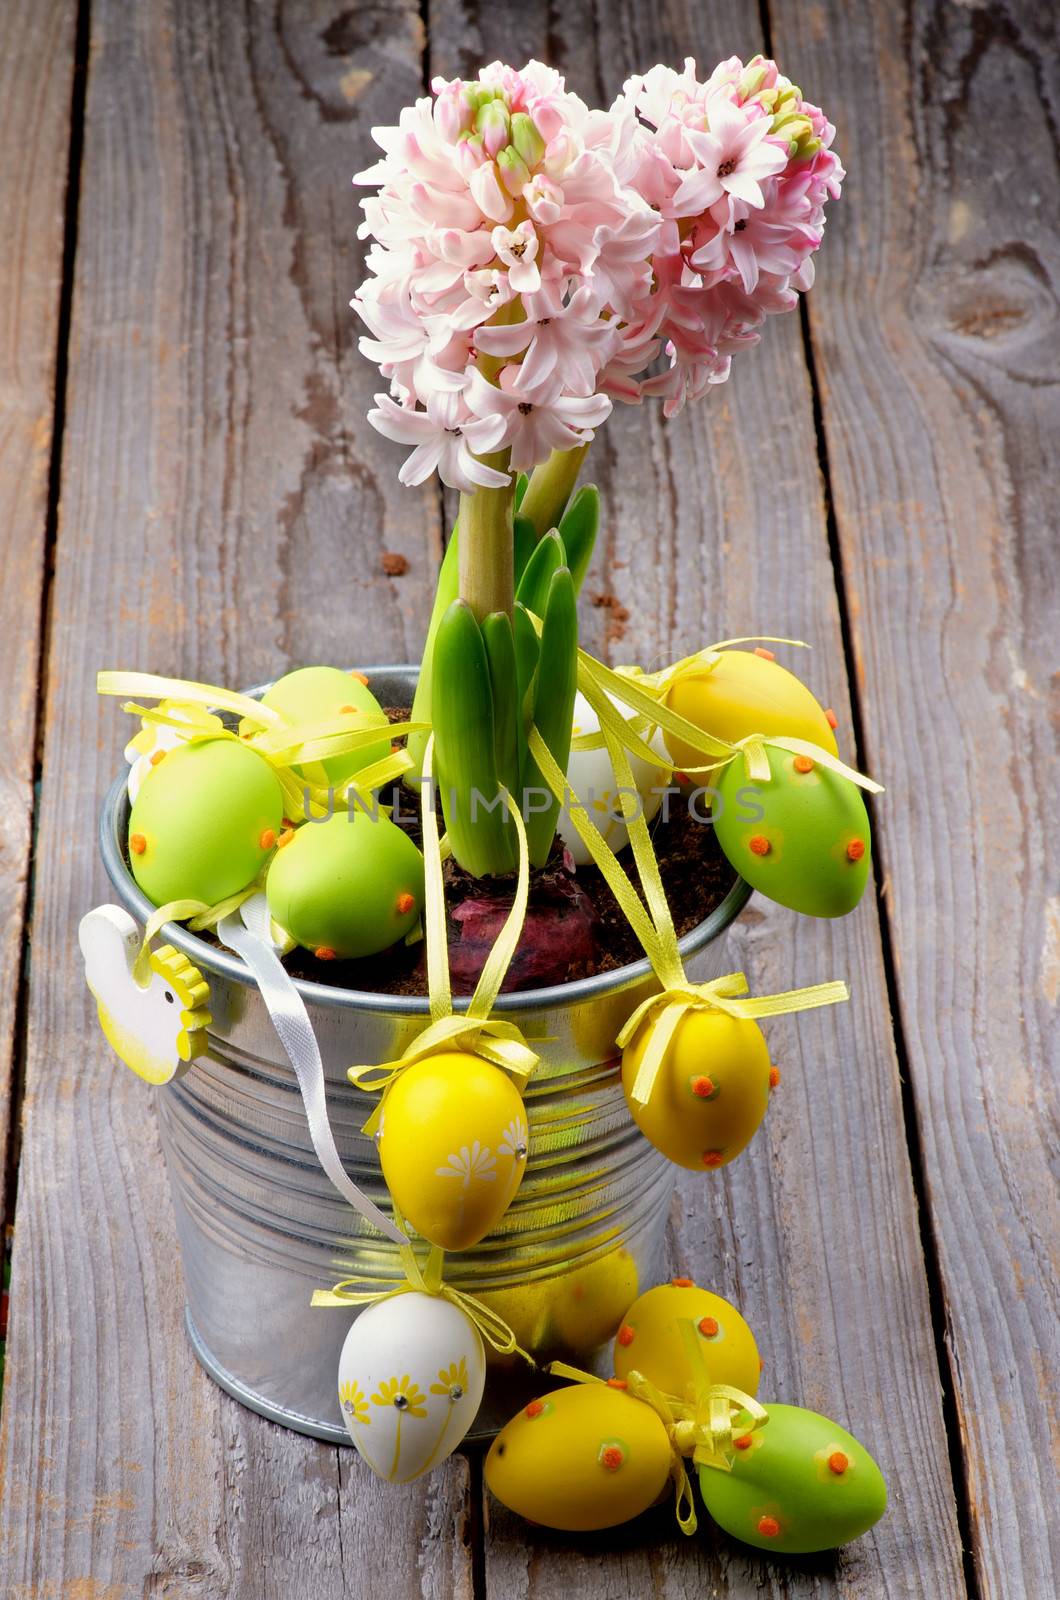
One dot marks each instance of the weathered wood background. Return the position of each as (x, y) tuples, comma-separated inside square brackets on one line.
[(187, 484)]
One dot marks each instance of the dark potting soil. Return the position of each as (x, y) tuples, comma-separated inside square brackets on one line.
[(574, 927)]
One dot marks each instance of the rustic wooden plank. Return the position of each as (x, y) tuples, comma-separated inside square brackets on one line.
[(936, 342), (224, 507), (715, 525), (34, 154)]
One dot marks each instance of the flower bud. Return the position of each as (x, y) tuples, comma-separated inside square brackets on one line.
[(526, 139), (494, 126), (752, 78), (514, 172)]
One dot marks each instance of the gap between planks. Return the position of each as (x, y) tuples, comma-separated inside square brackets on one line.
[(78, 94)]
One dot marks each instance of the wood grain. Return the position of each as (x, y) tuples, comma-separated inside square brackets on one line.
[(223, 512), (34, 155), (715, 525), (936, 332)]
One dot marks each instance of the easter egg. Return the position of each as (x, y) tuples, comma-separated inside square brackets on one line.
[(204, 822), (591, 1299), (582, 1458), (650, 1340), (711, 1090), (411, 1375), (592, 778), (146, 749), (800, 1483), (347, 886), (743, 693), (317, 694), (453, 1146), (802, 838)]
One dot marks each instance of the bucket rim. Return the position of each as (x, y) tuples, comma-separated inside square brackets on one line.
[(224, 964)]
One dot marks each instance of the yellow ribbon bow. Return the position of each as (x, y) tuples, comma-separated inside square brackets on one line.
[(700, 1429), (475, 1031), (664, 1011), (280, 743), (427, 1279)]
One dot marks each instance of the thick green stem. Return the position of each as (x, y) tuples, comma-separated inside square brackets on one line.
[(550, 487), (486, 546)]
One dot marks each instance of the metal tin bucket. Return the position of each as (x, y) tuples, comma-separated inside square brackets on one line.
[(260, 1225)]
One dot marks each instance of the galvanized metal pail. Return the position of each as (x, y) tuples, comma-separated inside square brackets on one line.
[(260, 1225)]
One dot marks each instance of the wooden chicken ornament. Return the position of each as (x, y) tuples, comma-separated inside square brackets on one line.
[(155, 1021)]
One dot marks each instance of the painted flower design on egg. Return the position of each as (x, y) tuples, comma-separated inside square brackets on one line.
[(452, 1381), (470, 1165), (403, 1395), (353, 1402), (515, 1141)]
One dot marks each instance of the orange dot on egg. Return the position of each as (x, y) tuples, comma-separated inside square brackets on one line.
[(831, 719), (405, 902), (362, 677), (683, 1283), (324, 952), (617, 1383), (855, 849), (803, 764), (137, 844), (766, 655), (626, 1335), (534, 1409), (709, 1327), (774, 1077), (702, 1088), (838, 1462), (759, 845), (268, 838), (768, 1527), (344, 709), (712, 1158), (157, 756), (743, 1442), (612, 1457)]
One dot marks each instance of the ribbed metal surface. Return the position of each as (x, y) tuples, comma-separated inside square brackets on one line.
[(261, 1226)]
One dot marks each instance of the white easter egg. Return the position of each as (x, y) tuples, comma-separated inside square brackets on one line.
[(411, 1375), (592, 777)]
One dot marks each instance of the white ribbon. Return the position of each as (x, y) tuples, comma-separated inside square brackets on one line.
[(294, 1030)]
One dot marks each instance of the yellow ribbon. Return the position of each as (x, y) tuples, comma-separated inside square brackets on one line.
[(645, 693), (753, 750), (428, 1280), (282, 744), (198, 916), (474, 1031), (664, 1012), (700, 1429), (654, 926)]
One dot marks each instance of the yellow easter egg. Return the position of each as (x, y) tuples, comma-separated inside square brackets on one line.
[(582, 1458), (744, 693), (453, 1146), (590, 1302), (711, 1090), (650, 1340)]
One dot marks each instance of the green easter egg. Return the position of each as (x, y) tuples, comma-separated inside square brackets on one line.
[(801, 1483), (316, 694), (203, 822), (802, 838), (348, 886)]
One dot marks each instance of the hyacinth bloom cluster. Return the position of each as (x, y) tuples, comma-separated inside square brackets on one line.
[(533, 259)]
